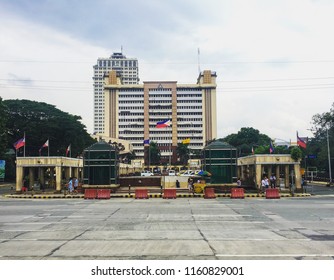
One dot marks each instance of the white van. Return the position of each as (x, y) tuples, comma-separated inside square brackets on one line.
[(146, 173), (188, 173), (171, 173)]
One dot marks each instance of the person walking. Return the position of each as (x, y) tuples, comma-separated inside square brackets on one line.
[(70, 185)]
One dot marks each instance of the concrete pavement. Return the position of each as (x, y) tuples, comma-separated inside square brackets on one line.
[(182, 228)]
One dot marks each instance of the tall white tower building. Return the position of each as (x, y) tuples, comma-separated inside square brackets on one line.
[(126, 68)]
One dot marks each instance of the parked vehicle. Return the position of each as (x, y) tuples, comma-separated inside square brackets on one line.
[(171, 173), (146, 173), (188, 173)]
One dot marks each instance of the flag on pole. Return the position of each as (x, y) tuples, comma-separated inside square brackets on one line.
[(271, 148), (68, 149), (300, 142), (163, 124), (46, 144), (186, 141), (146, 141), (252, 150), (20, 143)]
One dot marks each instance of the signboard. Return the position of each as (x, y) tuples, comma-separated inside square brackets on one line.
[(311, 156), (2, 169)]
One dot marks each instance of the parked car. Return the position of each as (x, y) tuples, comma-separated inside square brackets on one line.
[(146, 173), (171, 173), (157, 171), (188, 173)]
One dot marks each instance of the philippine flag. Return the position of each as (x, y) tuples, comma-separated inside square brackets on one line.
[(163, 124), (68, 149), (46, 144), (20, 143), (300, 142), (271, 148)]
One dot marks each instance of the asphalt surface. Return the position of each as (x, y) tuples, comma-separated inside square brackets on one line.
[(182, 228)]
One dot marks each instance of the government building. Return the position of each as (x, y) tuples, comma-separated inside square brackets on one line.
[(126, 67), (184, 111)]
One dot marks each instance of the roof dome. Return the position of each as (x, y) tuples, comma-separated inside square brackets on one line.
[(219, 145)]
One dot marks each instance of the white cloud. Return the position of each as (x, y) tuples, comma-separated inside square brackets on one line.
[(42, 64), (281, 47)]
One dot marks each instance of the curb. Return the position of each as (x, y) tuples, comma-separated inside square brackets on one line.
[(81, 196)]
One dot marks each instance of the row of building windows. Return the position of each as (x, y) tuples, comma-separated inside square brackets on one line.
[(190, 101), (122, 63), (131, 96), (189, 95), (127, 113), (189, 89), (132, 90), (131, 108), (160, 95), (160, 89), (189, 107), (130, 102), (131, 120), (160, 101)]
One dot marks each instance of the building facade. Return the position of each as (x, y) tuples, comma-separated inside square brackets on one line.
[(133, 110), (127, 68)]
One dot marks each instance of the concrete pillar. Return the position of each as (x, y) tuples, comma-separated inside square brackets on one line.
[(76, 172), (19, 178), (286, 176), (278, 181), (258, 175), (269, 171), (31, 176), (241, 172), (52, 177), (41, 176), (67, 173), (296, 168), (58, 178)]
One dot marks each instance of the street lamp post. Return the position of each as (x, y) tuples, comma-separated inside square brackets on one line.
[(329, 160)]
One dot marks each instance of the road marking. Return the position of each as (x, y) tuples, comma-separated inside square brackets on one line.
[(277, 255)]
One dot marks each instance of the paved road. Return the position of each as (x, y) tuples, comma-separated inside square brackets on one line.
[(184, 228)]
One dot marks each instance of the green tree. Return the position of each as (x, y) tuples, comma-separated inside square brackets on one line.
[(154, 153), (296, 153), (41, 121), (3, 133), (183, 152), (322, 124), (247, 138)]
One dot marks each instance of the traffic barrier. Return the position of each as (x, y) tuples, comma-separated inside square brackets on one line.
[(237, 193), (272, 193), (209, 193), (103, 194), (90, 193), (141, 193), (169, 193)]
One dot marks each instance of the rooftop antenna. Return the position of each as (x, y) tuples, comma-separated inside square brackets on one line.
[(199, 65)]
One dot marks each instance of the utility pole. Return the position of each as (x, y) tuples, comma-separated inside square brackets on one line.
[(329, 160)]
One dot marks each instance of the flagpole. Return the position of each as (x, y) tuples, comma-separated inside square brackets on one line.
[(149, 157), (70, 150), (329, 160), (170, 163), (24, 147)]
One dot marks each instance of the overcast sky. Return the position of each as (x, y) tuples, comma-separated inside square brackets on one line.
[(274, 59)]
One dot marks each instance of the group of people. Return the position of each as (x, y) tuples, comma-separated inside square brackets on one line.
[(190, 184), (73, 184), (266, 183)]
